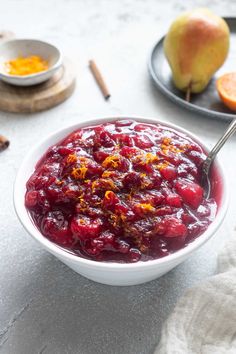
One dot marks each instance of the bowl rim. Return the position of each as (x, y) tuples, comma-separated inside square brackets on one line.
[(53, 248), (55, 66)]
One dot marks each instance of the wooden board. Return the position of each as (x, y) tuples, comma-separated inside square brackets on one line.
[(39, 97)]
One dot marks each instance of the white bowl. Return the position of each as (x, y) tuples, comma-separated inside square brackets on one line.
[(104, 272), (25, 47)]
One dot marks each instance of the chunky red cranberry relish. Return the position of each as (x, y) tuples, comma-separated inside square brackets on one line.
[(122, 191)]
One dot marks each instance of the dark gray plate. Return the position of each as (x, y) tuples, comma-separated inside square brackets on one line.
[(207, 102)]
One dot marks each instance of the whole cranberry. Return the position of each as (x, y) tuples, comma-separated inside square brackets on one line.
[(83, 227), (174, 227), (128, 151), (191, 193), (56, 228), (31, 199), (110, 201), (143, 141), (132, 180), (134, 255), (169, 173), (100, 155)]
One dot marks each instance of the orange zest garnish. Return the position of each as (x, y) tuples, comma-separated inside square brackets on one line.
[(79, 173), (111, 161), (104, 184), (107, 174), (112, 185), (147, 158), (143, 248), (72, 158), (145, 183), (145, 207), (95, 184), (81, 221), (123, 217), (82, 204), (226, 87), (151, 158), (115, 219), (163, 165), (166, 141), (59, 183), (167, 147), (108, 194), (26, 65)]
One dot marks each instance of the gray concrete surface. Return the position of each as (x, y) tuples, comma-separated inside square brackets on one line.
[(44, 306)]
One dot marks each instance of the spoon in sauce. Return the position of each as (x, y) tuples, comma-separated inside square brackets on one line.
[(206, 166)]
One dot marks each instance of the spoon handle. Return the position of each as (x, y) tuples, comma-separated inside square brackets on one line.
[(212, 154)]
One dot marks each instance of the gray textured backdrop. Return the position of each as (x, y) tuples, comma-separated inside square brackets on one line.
[(44, 306)]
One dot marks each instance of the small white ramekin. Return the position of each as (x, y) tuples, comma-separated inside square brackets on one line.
[(107, 272), (26, 47)]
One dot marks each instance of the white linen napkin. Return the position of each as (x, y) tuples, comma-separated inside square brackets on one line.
[(204, 319)]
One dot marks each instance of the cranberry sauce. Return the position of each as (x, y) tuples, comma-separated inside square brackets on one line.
[(121, 191)]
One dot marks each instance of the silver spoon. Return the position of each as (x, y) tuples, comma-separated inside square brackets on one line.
[(206, 166)]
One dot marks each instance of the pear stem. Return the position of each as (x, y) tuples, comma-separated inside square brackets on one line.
[(188, 92)]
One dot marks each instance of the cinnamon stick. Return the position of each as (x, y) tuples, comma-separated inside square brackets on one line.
[(4, 143), (99, 79)]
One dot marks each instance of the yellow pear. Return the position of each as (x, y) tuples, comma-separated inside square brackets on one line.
[(196, 46)]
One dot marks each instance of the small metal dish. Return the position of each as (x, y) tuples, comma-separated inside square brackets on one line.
[(25, 47)]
